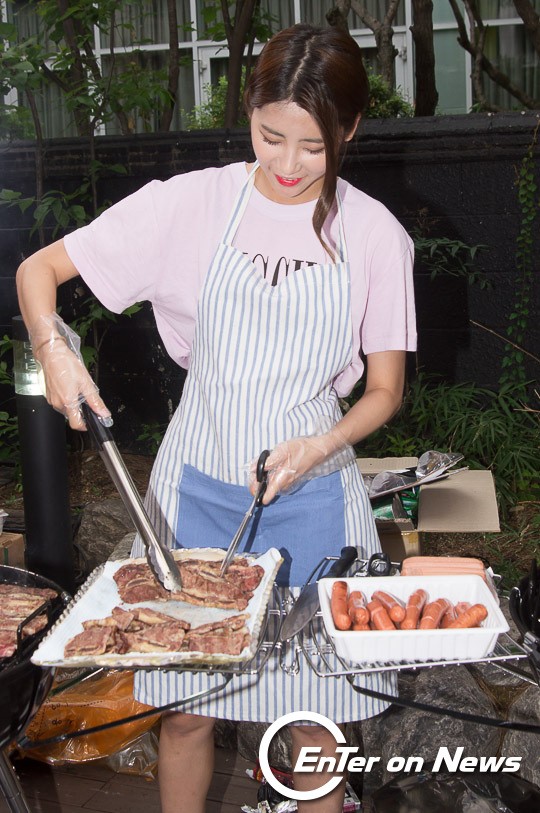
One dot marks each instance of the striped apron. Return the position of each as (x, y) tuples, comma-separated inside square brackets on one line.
[(261, 370)]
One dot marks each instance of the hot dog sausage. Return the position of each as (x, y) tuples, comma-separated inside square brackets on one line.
[(338, 606), (470, 618), (413, 609), (395, 610), (433, 613), (379, 617), (462, 606), (449, 616), (357, 608)]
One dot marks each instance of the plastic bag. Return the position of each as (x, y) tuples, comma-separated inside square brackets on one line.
[(100, 698), (138, 758), (457, 793)]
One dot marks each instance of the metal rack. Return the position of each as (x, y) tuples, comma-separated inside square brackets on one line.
[(316, 647)]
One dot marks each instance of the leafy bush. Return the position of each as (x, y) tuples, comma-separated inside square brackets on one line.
[(493, 430), (385, 102), (211, 114)]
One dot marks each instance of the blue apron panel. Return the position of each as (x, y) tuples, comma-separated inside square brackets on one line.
[(304, 526)]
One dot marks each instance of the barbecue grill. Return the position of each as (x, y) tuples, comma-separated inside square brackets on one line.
[(23, 686), (315, 645)]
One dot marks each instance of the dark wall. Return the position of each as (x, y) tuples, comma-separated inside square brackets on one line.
[(456, 174)]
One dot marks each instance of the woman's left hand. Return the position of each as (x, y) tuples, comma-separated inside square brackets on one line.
[(294, 461)]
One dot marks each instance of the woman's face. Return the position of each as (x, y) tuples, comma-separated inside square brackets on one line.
[(290, 150)]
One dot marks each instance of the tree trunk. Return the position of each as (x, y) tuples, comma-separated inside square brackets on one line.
[(174, 67), (480, 60), (386, 53), (337, 16), (424, 59), (78, 80), (384, 33), (237, 36)]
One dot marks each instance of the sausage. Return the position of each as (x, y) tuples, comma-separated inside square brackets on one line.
[(360, 627), (472, 617), (338, 606), (461, 606), (395, 610), (449, 616), (380, 619), (357, 609), (413, 609), (433, 613)]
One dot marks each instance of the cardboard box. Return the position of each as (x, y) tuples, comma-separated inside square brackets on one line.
[(464, 502), (12, 550)]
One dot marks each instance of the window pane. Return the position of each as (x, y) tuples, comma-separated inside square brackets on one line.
[(450, 73), (146, 21), (500, 9), (314, 12), (282, 10), (509, 49)]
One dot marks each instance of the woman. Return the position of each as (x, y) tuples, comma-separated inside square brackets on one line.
[(266, 281)]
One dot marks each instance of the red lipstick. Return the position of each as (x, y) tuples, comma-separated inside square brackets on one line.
[(288, 181)]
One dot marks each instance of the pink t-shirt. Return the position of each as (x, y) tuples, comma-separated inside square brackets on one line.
[(158, 243)]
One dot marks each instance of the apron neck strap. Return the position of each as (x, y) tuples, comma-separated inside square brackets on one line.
[(242, 201), (240, 206)]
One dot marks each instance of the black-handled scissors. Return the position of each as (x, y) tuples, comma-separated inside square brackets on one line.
[(262, 479)]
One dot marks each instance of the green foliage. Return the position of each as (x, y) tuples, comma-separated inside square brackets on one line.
[(9, 430), (15, 123), (61, 210), (91, 324), (62, 54), (152, 435), (513, 363), (211, 114), (442, 255), (261, 23), (385, 102), (492, 429)]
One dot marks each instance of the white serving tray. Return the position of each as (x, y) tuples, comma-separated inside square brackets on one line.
[(99, 595), (420, 646)]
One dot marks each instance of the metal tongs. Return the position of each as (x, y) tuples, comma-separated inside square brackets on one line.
[(262, 479), (159, 557)]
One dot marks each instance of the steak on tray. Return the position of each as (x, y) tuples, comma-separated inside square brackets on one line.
[(201, 583), (145, 630), (17, 602)]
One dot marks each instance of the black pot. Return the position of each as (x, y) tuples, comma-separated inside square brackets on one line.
[(24, 686)]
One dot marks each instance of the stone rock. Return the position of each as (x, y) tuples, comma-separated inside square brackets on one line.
[(408, 732), (526, 709), (102, 527), (225, 734), (493, 676), (249, 736), (123, 549)]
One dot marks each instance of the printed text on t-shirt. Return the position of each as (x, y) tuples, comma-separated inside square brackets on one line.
[(275, 270)]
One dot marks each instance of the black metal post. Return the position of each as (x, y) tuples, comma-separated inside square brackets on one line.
[(44, 465)]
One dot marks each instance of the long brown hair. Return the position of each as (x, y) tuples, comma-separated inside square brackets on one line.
[(321, 70)]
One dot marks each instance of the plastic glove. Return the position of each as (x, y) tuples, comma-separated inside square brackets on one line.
[(56, 348), (293, 462)]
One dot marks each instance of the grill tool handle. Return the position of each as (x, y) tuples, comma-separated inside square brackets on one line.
[(159, 556)]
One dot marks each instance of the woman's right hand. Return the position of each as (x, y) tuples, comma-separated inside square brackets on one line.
[(68, 383)]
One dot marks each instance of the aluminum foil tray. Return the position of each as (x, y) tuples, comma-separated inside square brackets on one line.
[(99, 595)]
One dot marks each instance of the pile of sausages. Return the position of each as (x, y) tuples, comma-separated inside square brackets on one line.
[(352, 611)]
